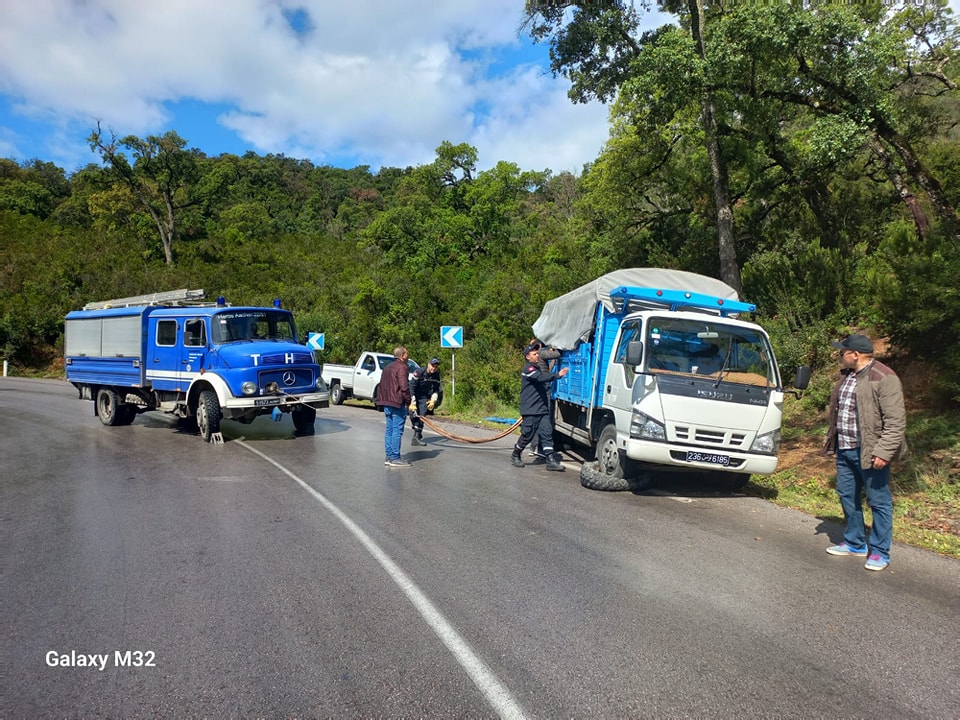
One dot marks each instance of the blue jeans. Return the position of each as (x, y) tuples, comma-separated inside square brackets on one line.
[(396, 418), (852, 482)]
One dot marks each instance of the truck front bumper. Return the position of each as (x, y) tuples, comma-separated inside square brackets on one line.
[(284, 402), (689, 457)]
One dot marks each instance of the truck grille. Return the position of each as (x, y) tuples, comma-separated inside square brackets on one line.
[(302, 378), (711, 437), (299, 358)]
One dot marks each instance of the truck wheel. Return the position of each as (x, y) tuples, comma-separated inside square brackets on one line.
[(303, 420), (337, 394), (612, 471), (593, 478), (208, 415), (127, 413), (108, 407), (736, 481)]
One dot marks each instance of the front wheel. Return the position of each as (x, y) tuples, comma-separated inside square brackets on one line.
[(208, 415), (303, 419), (612, 471)]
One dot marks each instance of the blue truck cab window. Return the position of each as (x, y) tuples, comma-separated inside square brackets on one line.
[(166, 333), (194, 333)]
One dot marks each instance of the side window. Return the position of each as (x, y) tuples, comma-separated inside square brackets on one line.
[(166, 333), (628, 332), (194, 333)]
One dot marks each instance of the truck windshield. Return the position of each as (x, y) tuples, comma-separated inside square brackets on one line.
[(709, 348), (242, 325)]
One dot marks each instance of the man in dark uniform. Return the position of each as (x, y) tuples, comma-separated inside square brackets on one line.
[(535, 408), (426, 393)]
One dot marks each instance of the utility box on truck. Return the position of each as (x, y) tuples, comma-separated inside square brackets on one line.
[(201, 361), (664, 374)]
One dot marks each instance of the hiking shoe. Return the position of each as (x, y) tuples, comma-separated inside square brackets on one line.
[(515, 459), (399, 462), (877, 562), (844, 549)]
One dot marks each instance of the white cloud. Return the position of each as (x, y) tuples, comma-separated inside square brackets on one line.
[(385, 81)]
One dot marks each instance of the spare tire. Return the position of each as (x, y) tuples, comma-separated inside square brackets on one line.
[(592, 477)]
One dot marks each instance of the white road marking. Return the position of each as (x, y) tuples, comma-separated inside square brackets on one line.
[(496, 693)]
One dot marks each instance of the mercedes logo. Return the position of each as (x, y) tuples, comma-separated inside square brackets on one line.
[(289, 378)]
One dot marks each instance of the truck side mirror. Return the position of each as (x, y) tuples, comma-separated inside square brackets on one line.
[(634, 353), (801, 380)]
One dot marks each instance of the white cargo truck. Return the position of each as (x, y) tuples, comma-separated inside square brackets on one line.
[(665, 374)]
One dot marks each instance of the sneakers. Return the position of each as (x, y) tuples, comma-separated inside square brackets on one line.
[(399, 462), (877, 562), (844, 549)]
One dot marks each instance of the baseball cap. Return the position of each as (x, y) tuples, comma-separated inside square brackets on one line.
[(857, 343), (434, 361), (531, 347)]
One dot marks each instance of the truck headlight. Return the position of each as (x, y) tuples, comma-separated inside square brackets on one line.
[(767, 444), (644, 427), (321, 385), (249, 388)]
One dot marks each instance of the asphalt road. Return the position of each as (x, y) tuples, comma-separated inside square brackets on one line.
[(148, 574)]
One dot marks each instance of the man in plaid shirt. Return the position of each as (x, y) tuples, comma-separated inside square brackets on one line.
[(866, 429)]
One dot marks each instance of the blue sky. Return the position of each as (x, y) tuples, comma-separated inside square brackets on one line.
[(374, 82), (338, 82)]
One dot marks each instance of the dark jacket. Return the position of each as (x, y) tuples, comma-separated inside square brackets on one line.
[(881, 416), (547, 357), (423, 383), (535, 390), (394, 388)]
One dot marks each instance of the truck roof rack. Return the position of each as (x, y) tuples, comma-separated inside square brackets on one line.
[(172, 298), (632, 298)]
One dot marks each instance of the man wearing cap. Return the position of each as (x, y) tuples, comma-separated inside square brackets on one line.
[(426, 393), (535, 408), (866, 429)]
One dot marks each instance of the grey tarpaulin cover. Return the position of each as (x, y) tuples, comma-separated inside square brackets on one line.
[(568, 319)]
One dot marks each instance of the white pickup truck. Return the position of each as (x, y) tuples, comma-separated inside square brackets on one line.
[(361, 380)]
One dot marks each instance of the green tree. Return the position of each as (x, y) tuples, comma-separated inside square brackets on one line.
[(160, 178), (595, 45)]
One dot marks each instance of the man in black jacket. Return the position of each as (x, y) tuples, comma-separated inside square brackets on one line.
[(426, 392), (535, 408)]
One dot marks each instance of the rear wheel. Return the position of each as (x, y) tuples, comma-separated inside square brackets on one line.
[(108, 407), (303, 419), (208, 415), (337, 394)]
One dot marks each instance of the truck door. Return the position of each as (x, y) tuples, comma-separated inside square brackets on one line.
[(163, 354), (618, 388), (366, 376), (192, 350)]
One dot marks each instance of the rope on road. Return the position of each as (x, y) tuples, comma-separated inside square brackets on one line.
[(460, 438)]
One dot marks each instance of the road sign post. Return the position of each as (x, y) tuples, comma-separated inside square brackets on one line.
[(451, 336)]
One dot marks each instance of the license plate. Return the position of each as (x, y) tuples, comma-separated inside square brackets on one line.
[(712, 458), (266, 401)]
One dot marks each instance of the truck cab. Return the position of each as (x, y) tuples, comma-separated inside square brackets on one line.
[(201, 361)]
